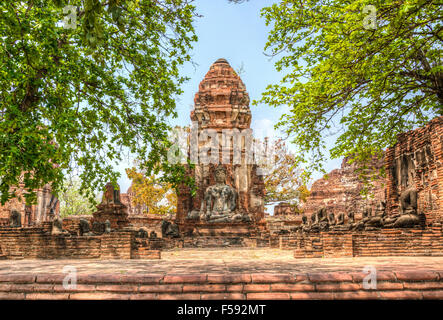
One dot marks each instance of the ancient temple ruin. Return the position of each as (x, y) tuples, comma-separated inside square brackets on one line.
[(46, 208), (404, 217), (229, 197)]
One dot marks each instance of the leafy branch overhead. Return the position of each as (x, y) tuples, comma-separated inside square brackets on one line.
[(79, 98), (364, 70)]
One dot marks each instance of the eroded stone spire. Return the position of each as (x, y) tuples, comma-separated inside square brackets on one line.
[(221, 101)]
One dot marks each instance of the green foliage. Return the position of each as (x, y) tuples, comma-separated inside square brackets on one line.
[(73, 201), (78, 98), (284, 182), (366, 80)]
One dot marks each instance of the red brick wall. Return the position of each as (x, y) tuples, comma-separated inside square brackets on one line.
[(35, 243), (151, 222), (417, 160), (340, 191), (72, 223), (386, 242), (32, 243)]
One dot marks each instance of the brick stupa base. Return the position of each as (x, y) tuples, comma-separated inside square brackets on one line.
[(111, 209), (114, 213)]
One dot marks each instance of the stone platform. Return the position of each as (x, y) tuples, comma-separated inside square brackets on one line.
[(231, 229), (225, 274)]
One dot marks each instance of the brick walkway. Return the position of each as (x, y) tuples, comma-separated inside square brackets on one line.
[(189, 261), (224, 274)]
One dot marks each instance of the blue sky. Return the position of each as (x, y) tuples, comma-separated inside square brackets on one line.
[(237, 33)]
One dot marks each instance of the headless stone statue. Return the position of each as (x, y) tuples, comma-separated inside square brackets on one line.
[(84, 228), (351, 219), (351, 216), (142, 233), (366, 216), (377, 221), (331, 219), (340, 219), (314, 218), (153, 235), (107, 226), (15, 219), (57, 227), (320, 220), (408, 216), (340, 223), (169, 229), (303, 226)]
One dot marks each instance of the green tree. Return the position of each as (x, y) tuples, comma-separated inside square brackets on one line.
[(150, 192), (82, 84), (284, 181), (73, 201), (365, 70)]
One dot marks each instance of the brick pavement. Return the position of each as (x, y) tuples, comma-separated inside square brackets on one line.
[(225, 274)]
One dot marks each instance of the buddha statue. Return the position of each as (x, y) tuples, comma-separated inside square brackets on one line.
[(220, 201), (319, 220), (15, 219), (84, 228), (377, 220), (340, 223), (57, 228), (304, 226), (352, 225), (365, 217), (408, 216), (331, 219), (340, 219)]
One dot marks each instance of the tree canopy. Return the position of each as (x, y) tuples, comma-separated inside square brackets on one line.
[(364, 70), (156, 196), (75, 202), (83, 82), (284, 181)]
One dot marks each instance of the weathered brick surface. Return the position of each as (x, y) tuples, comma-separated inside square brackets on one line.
[(340, 190), (38, 243), (385, 242), (419, 154), (222, 103), (285, 209), (33, 214), (330, 285)]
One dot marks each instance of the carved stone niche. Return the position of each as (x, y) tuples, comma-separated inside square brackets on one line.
[(15, 219)]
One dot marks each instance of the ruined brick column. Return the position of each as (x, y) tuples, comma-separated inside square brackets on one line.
[(46, 208), (416, 160), (222, 105)]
